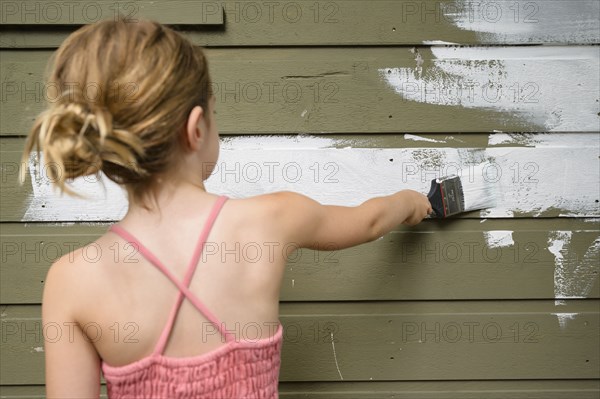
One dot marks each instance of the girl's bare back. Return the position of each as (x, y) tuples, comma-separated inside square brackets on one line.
[(238, 278)]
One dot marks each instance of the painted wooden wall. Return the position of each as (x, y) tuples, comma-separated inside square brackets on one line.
[(343, 100)]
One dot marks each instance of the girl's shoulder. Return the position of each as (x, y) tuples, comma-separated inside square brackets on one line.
[(264, 210), (75, 279), (75, 266), (273, 205)]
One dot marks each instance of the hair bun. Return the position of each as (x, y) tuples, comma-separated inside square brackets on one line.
[(73, 137), (78, 141)]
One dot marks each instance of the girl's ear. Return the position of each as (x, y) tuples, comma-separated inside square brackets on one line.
[(193, 134)]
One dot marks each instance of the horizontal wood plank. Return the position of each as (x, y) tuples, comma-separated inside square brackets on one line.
[(392, 341), (523, 178), (536, 389), (23, 13), (462, 259), (367, 90), (340, 22)]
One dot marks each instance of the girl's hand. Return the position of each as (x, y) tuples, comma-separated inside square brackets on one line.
[(420, 206)]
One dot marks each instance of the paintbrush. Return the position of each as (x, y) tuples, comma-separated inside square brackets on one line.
[(451, 195)]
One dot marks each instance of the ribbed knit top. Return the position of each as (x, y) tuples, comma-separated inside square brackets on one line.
[(237, 369)]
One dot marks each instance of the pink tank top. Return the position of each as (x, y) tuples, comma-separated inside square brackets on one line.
[(237, 369)]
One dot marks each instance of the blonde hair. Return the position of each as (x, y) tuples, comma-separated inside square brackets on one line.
[(126, 90)]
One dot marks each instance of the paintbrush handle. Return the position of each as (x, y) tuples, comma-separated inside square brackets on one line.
[(435, 198)]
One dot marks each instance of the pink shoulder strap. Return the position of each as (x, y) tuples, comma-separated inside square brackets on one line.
[(183, 286)]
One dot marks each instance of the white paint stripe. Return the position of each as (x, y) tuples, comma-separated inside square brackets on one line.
[(563, 318), (515, 55), (104, 200), (527, 21), (500, 138), (545, 140), (528, 179), (498, 238), (574, 276), (335, 357), (556, 245), (438, 43), (419, 138), (555, 88), (587, 269), (275, 141)]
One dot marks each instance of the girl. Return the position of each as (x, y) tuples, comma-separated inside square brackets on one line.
[(167, 321)]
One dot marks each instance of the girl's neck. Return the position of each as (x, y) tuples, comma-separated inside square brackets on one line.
[(173, 200)]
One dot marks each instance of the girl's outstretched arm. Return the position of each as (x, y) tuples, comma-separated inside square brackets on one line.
[(72, 363), (312, 225)]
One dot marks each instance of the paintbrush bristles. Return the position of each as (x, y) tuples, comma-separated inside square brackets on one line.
[(479, 189)]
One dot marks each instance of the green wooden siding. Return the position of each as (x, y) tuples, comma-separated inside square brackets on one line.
[(341, 22), (550, 389), (344, 90), (392, 341), (436, 311), (407, 264)]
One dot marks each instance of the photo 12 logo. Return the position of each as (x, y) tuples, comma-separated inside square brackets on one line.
[(34, 332), (469, 332), (275, 92), (272, 12), (471, 11), (65, 12), (52, 92)]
